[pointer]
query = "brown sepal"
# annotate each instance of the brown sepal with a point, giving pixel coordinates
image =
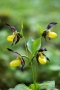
(12, 27)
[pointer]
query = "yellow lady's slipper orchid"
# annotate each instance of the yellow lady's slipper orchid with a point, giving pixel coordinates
(15, 63)
(10, 38)
(42, 59)
(51, 34)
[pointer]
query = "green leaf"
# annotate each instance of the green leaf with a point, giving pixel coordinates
(30, 44)
(20, 87)
(36, 45)
(34, 86)
(49, 85)
(22, 24)
(40, 29)
(21, 32)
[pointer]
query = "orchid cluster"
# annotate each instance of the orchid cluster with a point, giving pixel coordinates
(32, 45)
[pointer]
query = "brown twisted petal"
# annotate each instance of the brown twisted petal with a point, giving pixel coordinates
(18, 38)
(12, 27)
(22, 63)
(13, 51)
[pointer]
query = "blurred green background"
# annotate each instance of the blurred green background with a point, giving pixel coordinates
(33, 13)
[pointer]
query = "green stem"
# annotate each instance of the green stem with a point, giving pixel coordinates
(33, 76)
(32, 73)
(22, 33)
(25, 56)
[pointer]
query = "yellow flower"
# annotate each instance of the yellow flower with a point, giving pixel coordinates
(42, 59)
(10, 38)
(51, 34)
(15, 63)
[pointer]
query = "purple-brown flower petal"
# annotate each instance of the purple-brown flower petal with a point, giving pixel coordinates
(12, 27)
(51, 24)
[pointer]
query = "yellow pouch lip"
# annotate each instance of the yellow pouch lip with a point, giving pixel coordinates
(10, 38)
(51, 34)
(15, 63)
(42, 60)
